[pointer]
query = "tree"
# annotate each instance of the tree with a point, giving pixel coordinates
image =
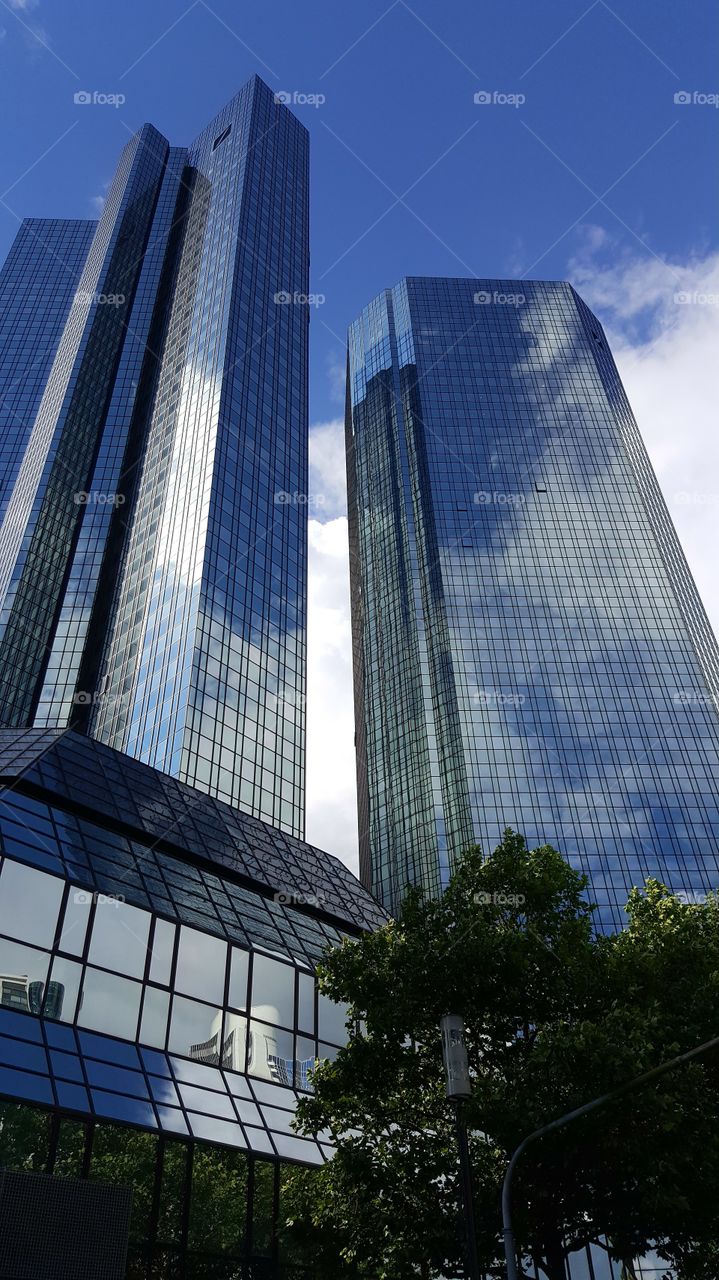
(554, 1016)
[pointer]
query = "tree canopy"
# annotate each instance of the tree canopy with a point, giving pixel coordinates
(555, 1014)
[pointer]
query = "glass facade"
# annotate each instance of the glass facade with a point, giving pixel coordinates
(152, 578)
(530, 648)
(37, 284)
(157, 971)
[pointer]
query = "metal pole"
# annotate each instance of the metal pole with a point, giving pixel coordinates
(465, 1170)
(510, 1251)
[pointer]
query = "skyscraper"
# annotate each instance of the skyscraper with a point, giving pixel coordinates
(152, 586)
(529, 646)
(37, 284)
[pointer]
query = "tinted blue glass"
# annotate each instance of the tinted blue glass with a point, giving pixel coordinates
(530, 648)
(20, 1084)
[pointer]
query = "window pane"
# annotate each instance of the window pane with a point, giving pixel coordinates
(23, 974)
(110, 1004)
(332, 1018)
(263, 1207)
(235, 1040)
(70, 1149)
(24, 1137)
(270, 1053)
(29, 903)
(306, 1012)
(195, 1030)
(76, 920)
(174, 1175)
(273, 990)
(201, 961)
(218, 1206)
(239, 969)
(155, 1008)
(162, 944)
(119, 936)
(127, 1155)
(63, 989)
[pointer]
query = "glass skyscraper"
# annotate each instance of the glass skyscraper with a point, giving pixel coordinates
(152, 585)
(37, 284)
(529, 646)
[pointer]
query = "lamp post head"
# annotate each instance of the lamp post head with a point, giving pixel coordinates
(454, 1053)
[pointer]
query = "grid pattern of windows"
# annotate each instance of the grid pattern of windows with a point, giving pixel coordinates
(152, 571)
(37, 284)
(45, 510)
(205, 662)
(197, 1211)
(70, 680)
(522, 603)
(307, 892)
(146, 985)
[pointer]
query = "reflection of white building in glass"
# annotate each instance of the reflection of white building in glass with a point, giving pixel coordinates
(18, 991)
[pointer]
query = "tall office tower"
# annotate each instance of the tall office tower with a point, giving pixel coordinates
(37, 284)
(152, 579)
(530, 649)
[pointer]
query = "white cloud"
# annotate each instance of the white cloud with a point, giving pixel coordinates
(666, 352)
(331, 791)
(24, 5)
(328, 484)
(667, 356)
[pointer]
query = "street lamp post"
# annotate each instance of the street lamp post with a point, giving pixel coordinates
(510, 1250)
(459, 1088)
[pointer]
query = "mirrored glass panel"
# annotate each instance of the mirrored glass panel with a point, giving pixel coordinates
(305, 1062)
(196, 1030)
(234, 1042)
(239, 969)
(201, 961)
(270, 1053)
(306, 1006)
(119, 936)
(110, 1004)
(23, 974)
(29, 903)
(155, 1008)
(63, 989)
(273, 990)
(75, 920)
(163, 941)
(332, 1019)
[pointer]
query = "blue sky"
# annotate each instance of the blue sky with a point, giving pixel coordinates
(598, 176)
(490, 188)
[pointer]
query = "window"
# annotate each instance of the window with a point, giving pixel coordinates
(221, 137)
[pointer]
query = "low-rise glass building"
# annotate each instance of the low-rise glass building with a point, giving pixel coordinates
(158, 1008)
